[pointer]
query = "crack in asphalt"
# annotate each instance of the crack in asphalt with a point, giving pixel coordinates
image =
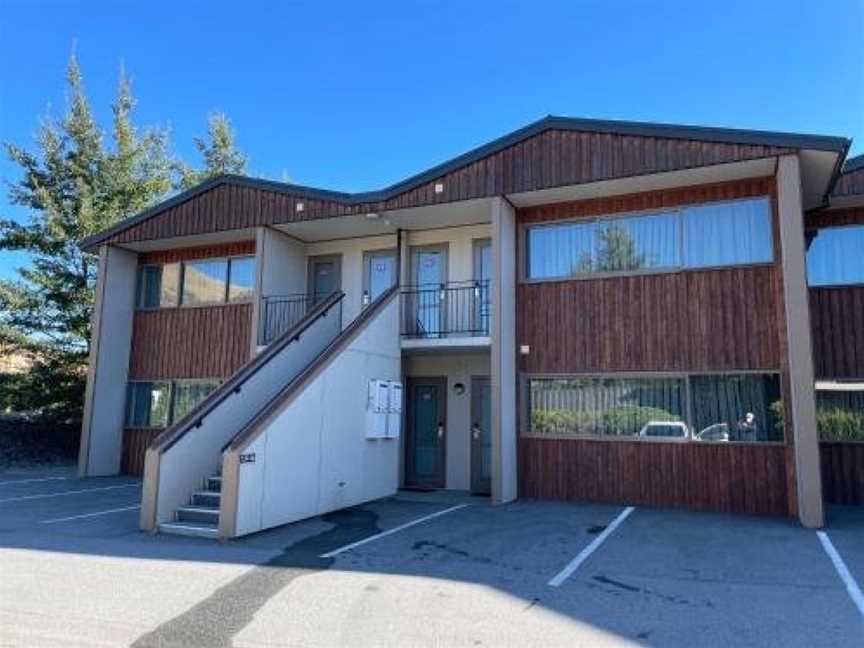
(218, 618)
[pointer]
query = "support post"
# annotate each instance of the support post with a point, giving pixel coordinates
(503, 350)
(799, 347)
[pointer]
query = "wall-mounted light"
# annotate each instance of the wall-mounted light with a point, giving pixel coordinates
(524, 349)
(439, 187)
(299, 207)
(459, 389)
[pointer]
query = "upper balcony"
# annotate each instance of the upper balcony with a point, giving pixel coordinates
(456, 314)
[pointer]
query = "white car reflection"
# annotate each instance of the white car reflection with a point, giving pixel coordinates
(680, 431)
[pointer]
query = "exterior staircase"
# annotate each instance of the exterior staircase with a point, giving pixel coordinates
(200, 518)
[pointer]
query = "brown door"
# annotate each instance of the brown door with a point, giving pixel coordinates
(427, 426)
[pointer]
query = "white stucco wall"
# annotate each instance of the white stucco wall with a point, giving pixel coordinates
(282, 262)
(457, 369)
(314, 457)
(105, 396)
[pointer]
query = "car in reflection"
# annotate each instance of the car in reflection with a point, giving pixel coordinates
(679, 430)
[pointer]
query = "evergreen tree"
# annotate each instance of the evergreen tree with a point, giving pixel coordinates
(73, 186)
(616, 250)
(219, 153)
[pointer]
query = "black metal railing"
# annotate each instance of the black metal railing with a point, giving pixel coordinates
(455, 309)
(280, 312)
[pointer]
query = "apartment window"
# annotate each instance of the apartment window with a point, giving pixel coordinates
(158, 285)
(148, 404)
(157, 404)
(711, 407)
(698, 236)
(840, 411)
(834, 257)
(204, 281)
(241, 278)
(606, 406)
(187, 395)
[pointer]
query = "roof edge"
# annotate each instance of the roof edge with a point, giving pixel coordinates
(550, 122)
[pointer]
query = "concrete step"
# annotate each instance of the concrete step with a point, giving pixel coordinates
(192, 529)
(205, 514)
(210, 499)
(213, 483)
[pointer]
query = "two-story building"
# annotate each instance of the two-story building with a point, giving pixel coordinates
(581, 309)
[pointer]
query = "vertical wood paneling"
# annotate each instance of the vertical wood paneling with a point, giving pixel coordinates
(842, 472)
(204, 342)
(731, 478)
(837, 320)
(135, 444)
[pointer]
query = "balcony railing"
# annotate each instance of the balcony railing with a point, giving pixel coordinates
(456, 309)
(281, 312)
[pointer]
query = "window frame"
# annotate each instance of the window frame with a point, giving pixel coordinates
(807, 251)
(172, 392)
(524, 257)
(181, 293)
(524, 418)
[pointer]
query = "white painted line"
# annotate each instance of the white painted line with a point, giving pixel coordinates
(842, 571)
(574, 564)
(72, 492)
(89, 515)
(30, 481)
(388, 532)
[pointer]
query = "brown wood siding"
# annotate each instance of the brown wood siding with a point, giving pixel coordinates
(837, 321)
(850, 184)
(550, 159)
(706, 320)
(836, 218)
(135, 444)
(200, 342)
(842, 472)
(733, 478)
(235, 248)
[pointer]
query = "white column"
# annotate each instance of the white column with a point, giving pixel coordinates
(108, 370)
(503, 350)
(808, 476)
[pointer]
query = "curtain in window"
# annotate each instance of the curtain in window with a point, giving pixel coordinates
(560, 250)
(835, 258)
(636, 243)
(722, 401)
(732, 233)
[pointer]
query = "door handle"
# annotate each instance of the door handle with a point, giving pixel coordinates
(475, 431)
(440, 430)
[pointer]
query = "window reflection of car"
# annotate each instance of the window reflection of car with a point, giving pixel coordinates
(716, 432)
(665, 429)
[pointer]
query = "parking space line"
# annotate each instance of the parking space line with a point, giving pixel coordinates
(388, 532)
(30, 481)
(90, 515)
(583, 555)
(72, 492)
(843, 571)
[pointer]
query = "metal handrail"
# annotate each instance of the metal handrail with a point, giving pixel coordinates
(456, 308)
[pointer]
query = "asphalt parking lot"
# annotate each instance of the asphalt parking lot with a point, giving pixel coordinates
(420, 570)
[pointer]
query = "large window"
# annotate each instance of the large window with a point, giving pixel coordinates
(156, 404)
(192, 283)
(834, 257)
(148, 404)
(840, 411)
(721, 407)
(698, 236)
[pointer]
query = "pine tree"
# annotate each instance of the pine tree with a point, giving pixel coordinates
(73, 186)
(219, 152)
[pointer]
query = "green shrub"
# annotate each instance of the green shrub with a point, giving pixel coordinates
(619, 421)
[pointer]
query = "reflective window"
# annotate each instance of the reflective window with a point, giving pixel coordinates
(187, 395)
(204, 281)
(840, 412)
(606, 406)
(158, 285)
(732, 233)
(744, 407)
(698, 236)
(147, 404)
(835, 258)
(740, 407)
(241, 278)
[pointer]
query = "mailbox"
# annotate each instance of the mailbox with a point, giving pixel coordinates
(384, 409)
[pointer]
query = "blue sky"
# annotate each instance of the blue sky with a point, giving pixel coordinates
(355, 96)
